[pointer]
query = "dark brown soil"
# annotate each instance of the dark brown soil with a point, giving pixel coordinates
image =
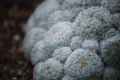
(13, 17)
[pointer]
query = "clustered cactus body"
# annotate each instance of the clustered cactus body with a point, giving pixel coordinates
(74, 40)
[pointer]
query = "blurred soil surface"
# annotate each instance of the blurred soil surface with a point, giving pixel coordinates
(13, 17)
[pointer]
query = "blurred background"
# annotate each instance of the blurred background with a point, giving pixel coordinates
(13, 17)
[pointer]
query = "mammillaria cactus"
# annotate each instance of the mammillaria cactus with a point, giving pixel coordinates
(93, 22)
(74, 40)
(91, 45)
(83, 64)
(61, 54)
(50, 70)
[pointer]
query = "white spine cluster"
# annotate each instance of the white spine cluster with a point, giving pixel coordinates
(74, 40)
